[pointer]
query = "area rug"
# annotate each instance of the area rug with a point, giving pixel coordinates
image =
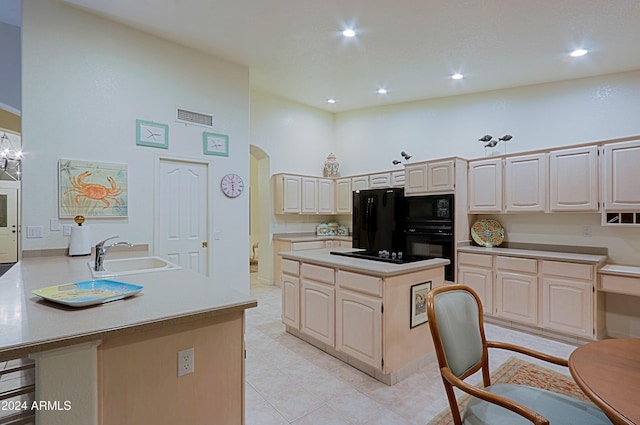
(516, 371)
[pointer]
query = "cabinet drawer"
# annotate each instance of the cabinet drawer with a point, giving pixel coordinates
(526, 265)
(620, 284)
(290, 267)
(358, 282)
(318, 273)
(570, 270)
(478, 260)
(298, 246)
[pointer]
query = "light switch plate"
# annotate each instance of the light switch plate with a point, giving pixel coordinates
(54, 225)
(66, 230)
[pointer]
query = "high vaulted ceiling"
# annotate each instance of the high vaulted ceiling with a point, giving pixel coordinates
(294, 48)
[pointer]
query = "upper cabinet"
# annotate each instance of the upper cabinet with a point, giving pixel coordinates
(430, 177)
(344, 196)
(485, 186)
(302, 195)
(573, 179)
(359, 183)
(525, 183)
(287, 192)
(621, 186)
(379, 180)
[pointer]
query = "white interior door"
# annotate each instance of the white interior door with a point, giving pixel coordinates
(182, 224)
(8, 225)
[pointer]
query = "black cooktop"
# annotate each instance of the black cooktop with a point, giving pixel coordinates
(385, 257)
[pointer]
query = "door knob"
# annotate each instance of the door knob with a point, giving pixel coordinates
(205, 244)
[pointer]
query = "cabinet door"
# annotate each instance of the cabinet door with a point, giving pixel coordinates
(309, 195)
(573, 179)
(359, 183)
(291, 192)
(291, 301)
(415, 179)
(621, 188)
(379, 180)
(397, 178)
(525, 182)
(485, 186)
(481, 281)
(516, 297)
(317, 311)
(359, 326)
(346, 244)
(325, 196)
(440, 176)
(567, 306)
(344, 196)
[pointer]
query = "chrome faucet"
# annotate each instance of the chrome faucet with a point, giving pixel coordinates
(101, 251)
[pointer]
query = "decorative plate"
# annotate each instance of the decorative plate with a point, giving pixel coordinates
(487, 233)
(90, 292)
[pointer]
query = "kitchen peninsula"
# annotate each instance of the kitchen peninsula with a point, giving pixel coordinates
(117, 362)
(360, 311)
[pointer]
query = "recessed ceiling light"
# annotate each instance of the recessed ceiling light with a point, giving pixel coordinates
(382, 91)
(331, 101)
(578, 52)
(349, 32)
(457, 76)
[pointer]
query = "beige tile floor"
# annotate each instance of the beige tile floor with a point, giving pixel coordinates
(292, 382)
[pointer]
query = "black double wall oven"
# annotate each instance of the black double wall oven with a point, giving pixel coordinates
(429, 229)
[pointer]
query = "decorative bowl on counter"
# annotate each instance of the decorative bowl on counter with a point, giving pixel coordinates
(343, 231)
(333, 228)
(487, 233)
(322, 229)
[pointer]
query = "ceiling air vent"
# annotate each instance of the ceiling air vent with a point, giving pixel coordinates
(190, 117)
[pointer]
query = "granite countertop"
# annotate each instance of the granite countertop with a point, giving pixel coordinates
(542, 254)
(30, 324)
(298, 237)
(371, 267)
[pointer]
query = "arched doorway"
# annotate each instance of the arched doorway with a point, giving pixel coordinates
(260, 250)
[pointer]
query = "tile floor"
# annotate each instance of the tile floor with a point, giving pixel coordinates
(292, 382)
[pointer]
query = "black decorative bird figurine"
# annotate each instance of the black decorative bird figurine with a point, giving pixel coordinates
(491, 144)
(485, 138)
(396, 162)
(506, 138)
(405, 155)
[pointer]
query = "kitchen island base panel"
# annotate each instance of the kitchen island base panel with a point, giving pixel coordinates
(391, 378)
(140, 384)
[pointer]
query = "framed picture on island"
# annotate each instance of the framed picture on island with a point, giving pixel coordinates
(419, 303)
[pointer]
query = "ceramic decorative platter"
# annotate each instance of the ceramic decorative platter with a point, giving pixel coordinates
(487, 233)
(89, 292)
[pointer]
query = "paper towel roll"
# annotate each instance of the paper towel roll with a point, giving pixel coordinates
(80, 241)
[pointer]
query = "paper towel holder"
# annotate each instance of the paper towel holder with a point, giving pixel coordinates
(80, 243)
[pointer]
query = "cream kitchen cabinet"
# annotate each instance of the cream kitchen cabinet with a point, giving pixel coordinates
(567, 297)
(525, 183)
(287, 192)
(476, 271)
(317, 303)
(290, 293)
(379, 180)
(344, 196)
(573, 180)
(516, 289)
(620, 183)
(317, 196)
(280, 245)
(397, 178)
(325, 196)
(359, 183)
(430, 177)
(485, 186)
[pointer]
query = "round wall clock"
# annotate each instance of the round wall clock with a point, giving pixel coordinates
(232, 185)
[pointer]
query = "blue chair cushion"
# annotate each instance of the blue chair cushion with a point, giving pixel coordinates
(558, 408)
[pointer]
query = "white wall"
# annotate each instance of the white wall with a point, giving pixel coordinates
(85, 82)
(538, 116)
(10, 66)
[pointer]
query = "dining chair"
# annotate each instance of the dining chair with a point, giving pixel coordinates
(457, 327)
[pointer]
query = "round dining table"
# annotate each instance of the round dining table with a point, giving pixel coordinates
(608, 371)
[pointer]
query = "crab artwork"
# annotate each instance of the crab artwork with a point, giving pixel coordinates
(94, 191)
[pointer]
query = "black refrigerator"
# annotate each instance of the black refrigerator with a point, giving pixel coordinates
(378, 219)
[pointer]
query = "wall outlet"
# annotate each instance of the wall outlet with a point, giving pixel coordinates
(185, 362)
(66, 230)
(586, 231)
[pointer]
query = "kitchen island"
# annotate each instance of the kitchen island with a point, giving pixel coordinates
(367, 313)
(117, 362)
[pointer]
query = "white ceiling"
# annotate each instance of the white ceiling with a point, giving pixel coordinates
(294, 48)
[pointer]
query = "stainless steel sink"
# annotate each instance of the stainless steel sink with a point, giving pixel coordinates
(134, 265)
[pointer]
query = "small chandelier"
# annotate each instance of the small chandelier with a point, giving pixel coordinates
(10, 158)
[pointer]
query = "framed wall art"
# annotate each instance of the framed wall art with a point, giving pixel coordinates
(215, 144)
(419, 303)
(92, 189)
(154, 134)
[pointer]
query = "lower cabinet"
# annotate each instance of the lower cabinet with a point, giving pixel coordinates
(476, 271)
(517, 289)
(359, 326)
(290, 295)
(317, 303)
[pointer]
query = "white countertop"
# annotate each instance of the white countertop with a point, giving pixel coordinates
(311, 237)
(29, 324)
(532, 253)
(370, 267)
